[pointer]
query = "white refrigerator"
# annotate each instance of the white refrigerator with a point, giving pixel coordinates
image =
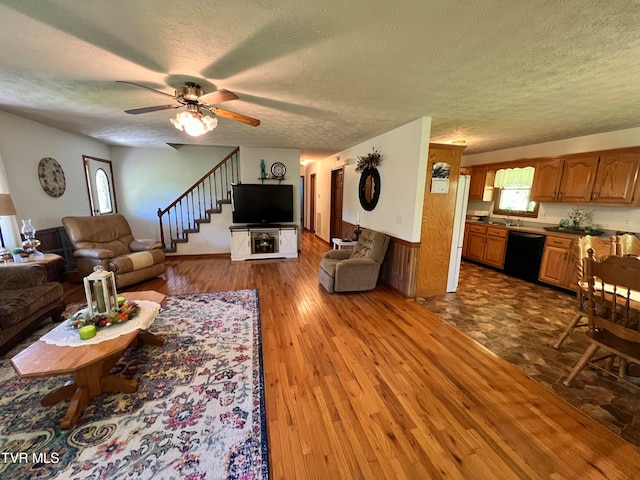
(462, 199)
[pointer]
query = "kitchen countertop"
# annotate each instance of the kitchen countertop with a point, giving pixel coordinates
(535, 229)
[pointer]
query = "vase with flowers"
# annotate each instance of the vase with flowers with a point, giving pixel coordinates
(579, 216)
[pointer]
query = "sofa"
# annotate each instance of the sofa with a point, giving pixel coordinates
(107, 240)
(354, 270)
(26, 298)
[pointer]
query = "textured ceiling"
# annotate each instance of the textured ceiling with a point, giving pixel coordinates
(325, 75)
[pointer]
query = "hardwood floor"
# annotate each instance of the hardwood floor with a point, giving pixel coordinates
(371, 385)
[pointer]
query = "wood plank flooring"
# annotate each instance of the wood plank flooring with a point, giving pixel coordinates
(371, 386)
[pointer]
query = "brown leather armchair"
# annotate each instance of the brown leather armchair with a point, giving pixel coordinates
(107, 240)
(357, 270)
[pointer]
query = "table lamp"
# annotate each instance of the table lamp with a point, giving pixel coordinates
(6, 208)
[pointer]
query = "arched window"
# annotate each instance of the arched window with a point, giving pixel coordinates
(104, 193)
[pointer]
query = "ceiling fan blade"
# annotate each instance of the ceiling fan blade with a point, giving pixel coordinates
(136, 111)
(148, 88)
(218, 96)
(238, 117)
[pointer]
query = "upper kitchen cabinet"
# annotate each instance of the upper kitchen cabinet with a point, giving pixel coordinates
(568, 180)
(578, 175)
(481, 184)
(605, 177)
(546, 180)
(616, 179)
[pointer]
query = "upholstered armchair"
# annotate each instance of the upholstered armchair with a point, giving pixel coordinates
(107, 240)
(354, 270)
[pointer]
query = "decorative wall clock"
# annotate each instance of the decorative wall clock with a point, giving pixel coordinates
(51, 177)
(278, 170)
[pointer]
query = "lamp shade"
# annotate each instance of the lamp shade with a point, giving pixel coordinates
(6, 205)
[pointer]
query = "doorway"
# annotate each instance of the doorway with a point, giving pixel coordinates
(312, 202)
(337, 189)
(301, 202)
(99, 177)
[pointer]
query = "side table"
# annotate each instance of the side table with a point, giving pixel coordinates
(339, 244)
(52, 263)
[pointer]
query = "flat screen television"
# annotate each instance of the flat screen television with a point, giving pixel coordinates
(262, 204)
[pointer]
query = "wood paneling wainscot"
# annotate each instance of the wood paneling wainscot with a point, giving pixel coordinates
(400, 266)
(400, 263)
(438, 212)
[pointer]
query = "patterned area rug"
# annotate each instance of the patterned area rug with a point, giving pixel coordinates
(198, 412)
(520, 321)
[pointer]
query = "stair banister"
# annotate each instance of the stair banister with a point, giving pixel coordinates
(195, 206)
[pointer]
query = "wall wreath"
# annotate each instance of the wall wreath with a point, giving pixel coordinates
(369, 186)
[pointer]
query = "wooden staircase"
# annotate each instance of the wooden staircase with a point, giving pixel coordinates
(196, 205)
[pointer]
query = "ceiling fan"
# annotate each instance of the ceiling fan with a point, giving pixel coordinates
(193, 97)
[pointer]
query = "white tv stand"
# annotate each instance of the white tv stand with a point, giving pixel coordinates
(255, 242)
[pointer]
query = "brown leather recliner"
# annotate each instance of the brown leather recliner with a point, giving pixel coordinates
(107, 240)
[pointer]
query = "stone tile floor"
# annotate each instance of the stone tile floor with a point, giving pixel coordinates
(520, 321)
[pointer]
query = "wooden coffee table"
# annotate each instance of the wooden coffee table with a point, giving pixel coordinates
(90, 365)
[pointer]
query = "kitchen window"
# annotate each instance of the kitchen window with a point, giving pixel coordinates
(512, 192)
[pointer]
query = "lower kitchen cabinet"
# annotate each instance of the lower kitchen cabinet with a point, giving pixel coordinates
(486, 245)
(495, 247)
(557, 267)
(476, 236)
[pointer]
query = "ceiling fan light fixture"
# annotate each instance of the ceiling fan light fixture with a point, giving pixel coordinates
(194, 123)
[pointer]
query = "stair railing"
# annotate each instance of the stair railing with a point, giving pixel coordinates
(195, 205)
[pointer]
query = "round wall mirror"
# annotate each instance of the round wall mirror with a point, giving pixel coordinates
(369, 189)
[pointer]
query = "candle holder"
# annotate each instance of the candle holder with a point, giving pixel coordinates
(357, 232)
(100, 289)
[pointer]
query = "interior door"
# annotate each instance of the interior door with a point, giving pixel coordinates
(312, 202)
(99, 177)
(301, 202)
(337, 188)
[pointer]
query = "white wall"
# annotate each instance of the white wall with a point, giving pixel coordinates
(23, 144)
(148, 178)
(213, 237)
(402, 170)
(250, 168)
(608, 218)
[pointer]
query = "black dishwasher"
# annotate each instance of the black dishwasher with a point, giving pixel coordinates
(524, 254)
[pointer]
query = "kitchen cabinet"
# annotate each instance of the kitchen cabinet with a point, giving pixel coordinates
(485, 244)
(578, 175)
(557, 266)
(604, 178)
(495, 246)
(546, 180)
(481, 184)
(616, 179)
(476, 236)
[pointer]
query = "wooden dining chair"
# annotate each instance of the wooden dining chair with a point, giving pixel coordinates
(627, 244)
(602, 249)
(613, 290)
